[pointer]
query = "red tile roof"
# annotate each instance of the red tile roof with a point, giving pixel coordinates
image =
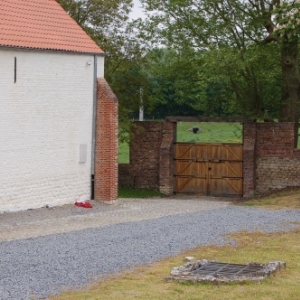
(42, 24)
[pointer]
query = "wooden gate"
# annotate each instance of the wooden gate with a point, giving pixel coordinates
(209, 169)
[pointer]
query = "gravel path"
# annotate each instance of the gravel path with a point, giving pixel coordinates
(46, 221)
(35, 267)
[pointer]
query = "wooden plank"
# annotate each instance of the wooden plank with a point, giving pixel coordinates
(235, 184)
(190, 168)
(226, 152)
(182, 183)
(182, 150)
(190, 151)
(236, 151)
(226, 169)
(210, 169)
(226, 187)
(191, 185)
(234, 169)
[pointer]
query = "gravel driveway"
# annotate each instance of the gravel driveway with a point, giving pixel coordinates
(48, 250)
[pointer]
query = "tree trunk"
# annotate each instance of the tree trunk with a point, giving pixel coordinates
(289, 111)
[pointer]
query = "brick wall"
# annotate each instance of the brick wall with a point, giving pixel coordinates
(277, 173)
(151, 159)
(166, 162)
(249, 142)
(270, 160)
(125, 178)
(106, 147)
(275, 140)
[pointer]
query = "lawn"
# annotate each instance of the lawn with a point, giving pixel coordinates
(123, 155)
(124, 192)
(147, 282)
(283, 199)
(210, 132)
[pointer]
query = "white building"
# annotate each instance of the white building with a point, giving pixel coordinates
(48, 71)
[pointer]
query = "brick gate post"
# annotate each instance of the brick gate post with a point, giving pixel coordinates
(166, 158)
(106, 144)
(249, 141)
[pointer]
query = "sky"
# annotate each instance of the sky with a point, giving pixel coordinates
(137, 11)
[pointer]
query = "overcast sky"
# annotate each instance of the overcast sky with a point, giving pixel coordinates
(137, 11)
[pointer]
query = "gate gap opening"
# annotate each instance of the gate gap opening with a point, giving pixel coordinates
(209, 132)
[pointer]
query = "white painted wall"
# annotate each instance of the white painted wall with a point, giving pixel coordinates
(100, 67)
(45, 117)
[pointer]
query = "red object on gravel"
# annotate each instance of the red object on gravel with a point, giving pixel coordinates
(84, 204)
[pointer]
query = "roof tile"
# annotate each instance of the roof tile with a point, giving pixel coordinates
(41, 24)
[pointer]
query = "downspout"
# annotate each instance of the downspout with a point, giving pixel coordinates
(94, 128)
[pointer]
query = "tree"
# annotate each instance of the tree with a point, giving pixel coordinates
(99, 17)
(175, 84)
(180, 85)
(237, 26)
(254, 76)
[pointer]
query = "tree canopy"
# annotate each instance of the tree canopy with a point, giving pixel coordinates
(254, 43)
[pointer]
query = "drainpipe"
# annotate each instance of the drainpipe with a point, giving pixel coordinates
(94, 127)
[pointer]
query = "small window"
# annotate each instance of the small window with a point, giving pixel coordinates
(15, 70)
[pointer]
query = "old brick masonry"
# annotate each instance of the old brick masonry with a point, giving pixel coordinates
(106, 144)
(270, 159)
(151, 157)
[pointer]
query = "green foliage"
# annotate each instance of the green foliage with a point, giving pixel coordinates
(219, 82)
(175, 82)
(182, 84)
(123, 155)
(287, 19)
(237, 37)
(253, 75)
(105, 21)
(132, 84)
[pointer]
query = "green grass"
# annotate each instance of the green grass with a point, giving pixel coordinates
(210, 132)
(289, 199)
(123, 155)
(137, 193)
